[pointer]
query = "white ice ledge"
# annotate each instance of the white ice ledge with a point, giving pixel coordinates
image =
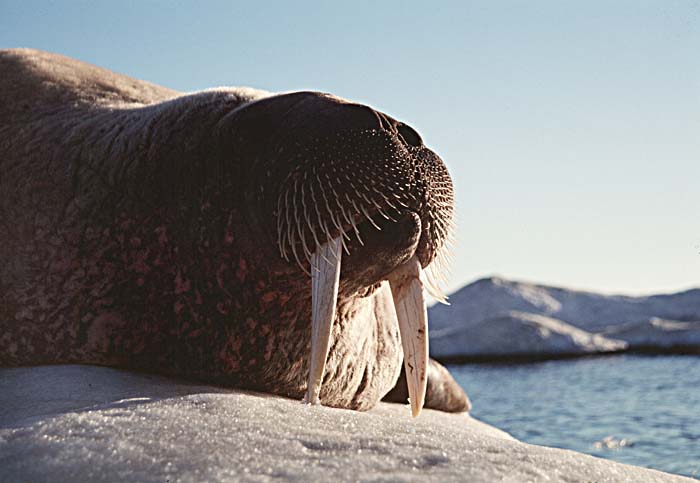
(83, 423)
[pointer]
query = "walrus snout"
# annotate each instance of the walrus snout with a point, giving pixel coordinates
(388, 248)
(346, 165)
(343, 166)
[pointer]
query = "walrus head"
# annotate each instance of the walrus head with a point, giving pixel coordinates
(197, 235)
(362, 200)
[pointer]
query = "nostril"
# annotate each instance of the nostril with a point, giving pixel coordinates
(409, 136)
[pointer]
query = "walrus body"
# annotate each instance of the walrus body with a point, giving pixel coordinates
(141, 228)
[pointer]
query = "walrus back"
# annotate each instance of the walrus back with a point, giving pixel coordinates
(76, 143)
(33, 82)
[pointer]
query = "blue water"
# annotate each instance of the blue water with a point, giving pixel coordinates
(653, 403)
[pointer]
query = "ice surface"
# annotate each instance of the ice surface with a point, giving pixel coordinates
(83, 423)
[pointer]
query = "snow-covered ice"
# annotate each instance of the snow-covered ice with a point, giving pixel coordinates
(576, 322)
(519, 333)
(85, 423)
(659, 333)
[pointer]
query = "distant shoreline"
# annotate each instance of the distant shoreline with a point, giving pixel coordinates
(680, 350)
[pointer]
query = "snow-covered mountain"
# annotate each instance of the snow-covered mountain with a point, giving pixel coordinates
(495, 317)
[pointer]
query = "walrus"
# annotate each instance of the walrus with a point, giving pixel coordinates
(275, 242)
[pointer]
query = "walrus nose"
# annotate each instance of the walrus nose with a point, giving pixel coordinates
(344, 116)
(409, 135)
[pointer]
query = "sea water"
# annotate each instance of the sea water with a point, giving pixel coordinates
(641, 410)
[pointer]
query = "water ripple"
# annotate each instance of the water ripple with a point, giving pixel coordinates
(652, 404)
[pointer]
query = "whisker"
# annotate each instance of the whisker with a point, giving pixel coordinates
(364, 210)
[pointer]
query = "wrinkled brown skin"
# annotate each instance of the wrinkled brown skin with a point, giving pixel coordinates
(134, 233)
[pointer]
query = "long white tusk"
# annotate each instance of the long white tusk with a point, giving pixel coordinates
(407, 291)
(325, 276)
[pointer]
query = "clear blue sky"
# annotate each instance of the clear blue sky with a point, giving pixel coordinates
(572, 129)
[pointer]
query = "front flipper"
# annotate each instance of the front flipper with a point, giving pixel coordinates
(443, 393)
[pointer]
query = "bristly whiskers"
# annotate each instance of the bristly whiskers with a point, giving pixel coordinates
(323, 198)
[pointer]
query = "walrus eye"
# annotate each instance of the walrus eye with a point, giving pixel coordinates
(411, 312)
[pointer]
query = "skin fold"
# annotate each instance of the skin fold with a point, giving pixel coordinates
(146, 229)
